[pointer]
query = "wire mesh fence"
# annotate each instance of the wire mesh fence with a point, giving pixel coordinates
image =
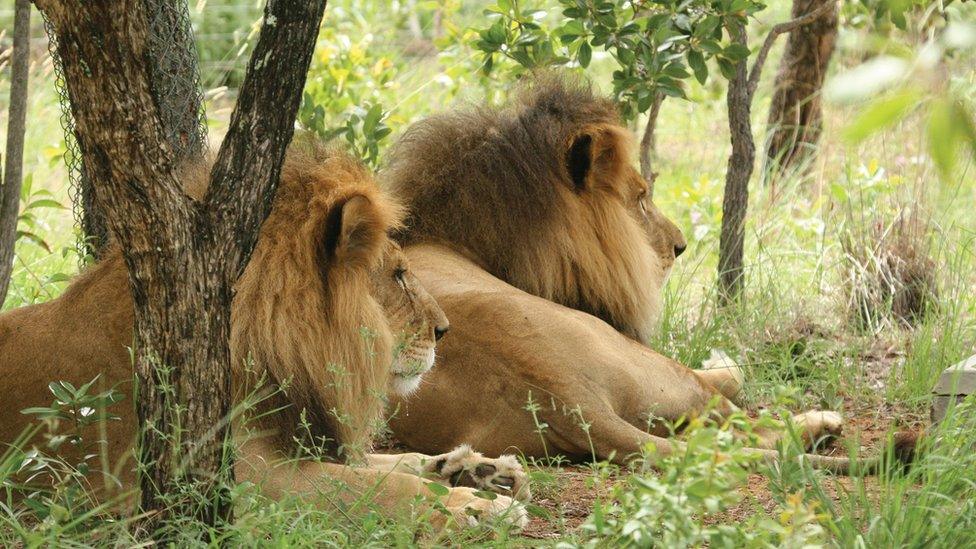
(175, 83)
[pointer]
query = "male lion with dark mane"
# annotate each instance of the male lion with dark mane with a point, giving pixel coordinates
(323, 274)
(537, 236)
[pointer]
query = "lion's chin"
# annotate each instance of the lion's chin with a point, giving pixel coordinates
(409, 371)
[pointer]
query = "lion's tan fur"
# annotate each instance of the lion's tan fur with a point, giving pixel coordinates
(533, 230)
(306, 313)
(322, 303)
(494, 183)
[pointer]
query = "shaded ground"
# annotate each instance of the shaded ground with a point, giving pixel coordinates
(570, 496)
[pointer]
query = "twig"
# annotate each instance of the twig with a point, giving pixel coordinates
(648, 140)
(781, 28)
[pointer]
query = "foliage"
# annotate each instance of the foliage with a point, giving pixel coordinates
(893, 88)
(656, 45)
(698, 482)
(342, 99)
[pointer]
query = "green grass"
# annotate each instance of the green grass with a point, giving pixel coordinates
(794, 332)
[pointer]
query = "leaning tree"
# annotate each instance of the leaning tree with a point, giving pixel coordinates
(183, 255)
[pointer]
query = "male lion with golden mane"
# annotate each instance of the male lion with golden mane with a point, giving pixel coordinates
(318, 313)
(537, 236)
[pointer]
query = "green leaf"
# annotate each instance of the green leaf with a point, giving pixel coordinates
(585, 54)
(941, 132)
(881, 114)
(438, 489)
(34, 238)
(59, 391)
(736, 52)
(727, 67)
(676, 70)
(711, 47)
(45, 203)
(697, 63)
(372, 118)
(537, 511)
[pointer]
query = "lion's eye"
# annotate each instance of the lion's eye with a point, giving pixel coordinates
(399, 275)
(640, 202)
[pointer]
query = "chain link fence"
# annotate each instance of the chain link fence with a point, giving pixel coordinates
(175, 82)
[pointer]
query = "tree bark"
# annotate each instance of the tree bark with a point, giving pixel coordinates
(183, 256)
(175, 85)
(175, 75)
(795, 117)
(648, 144)
(16, 125)
(742, 89)
(740, 166)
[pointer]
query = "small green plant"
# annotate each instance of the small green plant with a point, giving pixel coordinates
(682, 506)
(32, 200)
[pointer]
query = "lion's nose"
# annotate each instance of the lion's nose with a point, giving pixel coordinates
(439, 332)
(679, 249)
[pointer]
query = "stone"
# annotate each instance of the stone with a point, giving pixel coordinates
(955, 383)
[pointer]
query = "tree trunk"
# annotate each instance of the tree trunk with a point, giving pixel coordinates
(16, 124)
(175, 76)
(736, 200)
(648, 144)
(183, 256)
(795, 118)
(175, 85)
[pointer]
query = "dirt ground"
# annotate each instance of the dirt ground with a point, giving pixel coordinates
(572, 501)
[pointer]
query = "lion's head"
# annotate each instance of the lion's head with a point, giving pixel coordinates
(544, 195)
(327, 308)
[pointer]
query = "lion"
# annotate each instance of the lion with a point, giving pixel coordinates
(534, 232)
(327, 312)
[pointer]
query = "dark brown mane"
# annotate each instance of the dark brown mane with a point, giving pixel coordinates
(498, 161)
(537, 192)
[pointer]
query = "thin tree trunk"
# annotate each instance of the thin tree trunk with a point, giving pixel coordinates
(742, 89)
(648, 144)
(16, 124)
(740, 166)
(795, 117)
(183, 256)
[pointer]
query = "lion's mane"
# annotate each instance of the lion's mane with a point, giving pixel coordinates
(325, 339)
(532, 191)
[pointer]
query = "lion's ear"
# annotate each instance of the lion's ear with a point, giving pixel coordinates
(579, 160)
(354, 233)
(595, 155)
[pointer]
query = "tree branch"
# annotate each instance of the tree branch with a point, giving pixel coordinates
(774, 33)
(16, 123)
(117, 123)
(647, 143)
(245, 175)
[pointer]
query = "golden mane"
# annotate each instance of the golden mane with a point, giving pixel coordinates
(539, 194)
(325, 339)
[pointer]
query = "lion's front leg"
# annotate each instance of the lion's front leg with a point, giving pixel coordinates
(395, 491)
(461, 467)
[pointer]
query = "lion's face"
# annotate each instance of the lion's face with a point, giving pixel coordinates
(415, 318)
(635, 243)
(664, 237)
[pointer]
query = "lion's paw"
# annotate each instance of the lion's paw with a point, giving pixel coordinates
(469, 509)
(465, 467)
(723, 374)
